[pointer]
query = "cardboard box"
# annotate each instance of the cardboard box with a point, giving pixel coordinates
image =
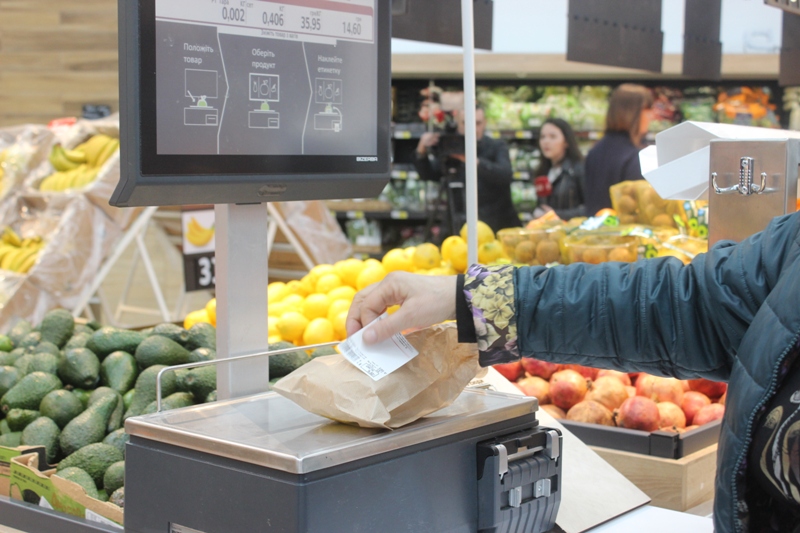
(31, 485)
(6, 454)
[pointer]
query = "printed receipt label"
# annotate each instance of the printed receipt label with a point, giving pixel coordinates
(378, 360)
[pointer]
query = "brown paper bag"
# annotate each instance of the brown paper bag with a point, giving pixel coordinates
(332, 387)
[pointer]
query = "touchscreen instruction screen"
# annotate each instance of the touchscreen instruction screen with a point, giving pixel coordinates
(249, 77)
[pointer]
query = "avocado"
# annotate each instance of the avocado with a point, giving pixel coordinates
(114, 477)
(212, 397)
(117, 439)
(23, 364)
(201, 382)
(88, 427)
(19, 418)
(8, 358)
(118, 497)
(47, 347)
(78, 340)
(102, 495)
(61, 406)
(83, 396)
(322, 352)
(94, 459)
(202, 354)
(9, 376)
(4, 427)
(94, 325)
(18, 332)
(108, 340)
(57, 326)
(158, 350)
(173, 401)
(42, 432)
(29, 391)
(11, 440)
(285, 364)
(18, 352)
(202, 335)
(43, 362)
(82, 328)
(79, 367)
(5, 344)
(172, 332)
(119, 371)
(127, 398)
(79, 476)
(146, 389)
(115, 420)
(30, 340)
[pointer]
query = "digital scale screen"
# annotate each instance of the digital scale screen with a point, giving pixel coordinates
(242, 101)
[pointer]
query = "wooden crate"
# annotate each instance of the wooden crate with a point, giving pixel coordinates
(677, 484)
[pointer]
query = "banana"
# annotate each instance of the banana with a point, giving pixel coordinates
(93, 147)
(21, 257)
(5, 264)
(28, 263)
(108, 150)
(5, 249)
(75, 156)
(85, 178)
(59, 160)
(197, 234)
(10, 236)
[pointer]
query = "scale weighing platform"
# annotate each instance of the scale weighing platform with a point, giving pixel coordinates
(262, 463)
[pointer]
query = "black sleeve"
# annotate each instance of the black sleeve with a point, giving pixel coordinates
(496, 169)
(466, 327)
(427, 170)
(631, 169)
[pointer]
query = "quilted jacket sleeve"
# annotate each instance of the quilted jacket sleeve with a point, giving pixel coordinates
(657, 315)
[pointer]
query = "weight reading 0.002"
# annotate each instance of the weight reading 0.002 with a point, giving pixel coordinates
(233, 14)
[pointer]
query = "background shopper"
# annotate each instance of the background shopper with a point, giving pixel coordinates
(562, 165)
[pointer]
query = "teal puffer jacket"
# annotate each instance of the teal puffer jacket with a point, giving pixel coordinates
(732, 315)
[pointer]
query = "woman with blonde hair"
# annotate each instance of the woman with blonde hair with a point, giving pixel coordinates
(616, 157)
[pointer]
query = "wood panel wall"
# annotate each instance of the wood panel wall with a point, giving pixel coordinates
(56, 56)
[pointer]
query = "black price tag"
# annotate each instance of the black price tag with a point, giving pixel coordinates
(199, 271)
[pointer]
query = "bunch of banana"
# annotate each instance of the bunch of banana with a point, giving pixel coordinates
(79, 167)
(198, 234)
(16, 254)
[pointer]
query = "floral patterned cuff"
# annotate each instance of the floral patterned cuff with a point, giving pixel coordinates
(489, 291)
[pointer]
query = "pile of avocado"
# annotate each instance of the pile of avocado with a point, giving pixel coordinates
(69, 387)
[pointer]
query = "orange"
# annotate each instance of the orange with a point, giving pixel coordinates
(485, 233)
(606, 211)
(211, 310)
(489, 252)
(371, 274)
(318, 331)
(448, 244)
(316, 306)
(397, 260)
(427, 256)
(291, 326)
(345, 292)
(340, 325)
(350, 270)
(337, 306)
(328, 282)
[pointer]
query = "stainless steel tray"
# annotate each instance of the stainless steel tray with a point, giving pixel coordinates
(272, 431)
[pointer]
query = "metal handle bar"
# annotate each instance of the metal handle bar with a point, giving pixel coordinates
(215, 362)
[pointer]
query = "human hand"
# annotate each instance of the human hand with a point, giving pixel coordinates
(427, 140)
(423, 301)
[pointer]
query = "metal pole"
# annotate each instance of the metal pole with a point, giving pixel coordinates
(470, 133)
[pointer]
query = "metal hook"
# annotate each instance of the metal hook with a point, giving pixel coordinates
(726, 190)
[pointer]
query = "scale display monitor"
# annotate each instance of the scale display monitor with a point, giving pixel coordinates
(248, 101)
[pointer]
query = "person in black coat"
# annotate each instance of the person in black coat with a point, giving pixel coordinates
(616, 157)
(495, 175)
(562, 166)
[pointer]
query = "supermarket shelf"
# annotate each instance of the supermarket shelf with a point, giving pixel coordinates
(556, 66)
(394, 214)
(32, 518)
(414, 131)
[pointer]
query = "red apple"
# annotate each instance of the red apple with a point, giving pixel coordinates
(671, 415)
(536, 387)
(607, 391)
(567, 387)
(712, 389)
(591, 413)
(536, 367)
(622, 376)
(585, 371)
(555, 412)
(639, 413)
(709, 413)
(693, 401)
(510, 371)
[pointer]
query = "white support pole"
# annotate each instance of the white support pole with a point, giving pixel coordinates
(471, 143)
(151, 275)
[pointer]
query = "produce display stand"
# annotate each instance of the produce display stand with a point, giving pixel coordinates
(33, 518)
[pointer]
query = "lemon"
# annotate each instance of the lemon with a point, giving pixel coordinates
(338, 268)
(276, 291)
(316, 306)
(274, 339)
(350, 271)
(318, 331)
(372, 262)
(211, 311)
(293, 302)
(297, 287)
(292, 325)
(448, 245)
(485, 233)
(277, 309)
(397, 259)
(345, 292)
(489, 252)
(308, 284)
(272, 326)
(201, 315)
(371, 274)
(426, 256)
(319, 271)
(327, 283)
(458, 255)
(393, 309)
(340, 325)
(337, 306)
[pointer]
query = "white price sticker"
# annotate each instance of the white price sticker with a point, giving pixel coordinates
(378, 360)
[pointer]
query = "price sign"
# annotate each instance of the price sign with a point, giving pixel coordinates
(199, 260)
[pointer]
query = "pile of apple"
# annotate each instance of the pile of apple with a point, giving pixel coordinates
(611, 398)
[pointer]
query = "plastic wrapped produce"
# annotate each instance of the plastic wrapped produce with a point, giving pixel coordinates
(22, 148)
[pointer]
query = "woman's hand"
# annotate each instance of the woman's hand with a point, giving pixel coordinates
(423, 301)
(427, 140)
